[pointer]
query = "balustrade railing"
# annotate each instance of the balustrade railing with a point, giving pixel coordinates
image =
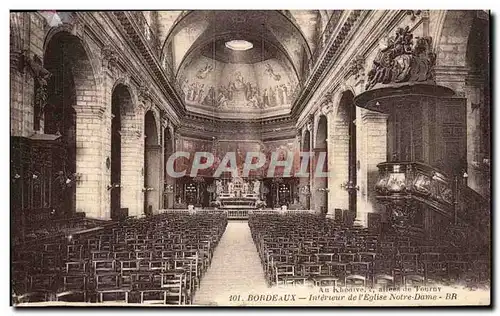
(397, 180)
(404, 181)
(238, 214)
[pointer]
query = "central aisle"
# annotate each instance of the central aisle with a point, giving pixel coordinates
(235, 268)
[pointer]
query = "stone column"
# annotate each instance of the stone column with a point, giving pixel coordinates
(91, 162)
(338, 159)
(312, 136)
(163, 177)
(16, 73)
(132, 162)
(373, 151)
(470, 86)
(17, 93)
(477, 120)
(105, 89)
(153, 153)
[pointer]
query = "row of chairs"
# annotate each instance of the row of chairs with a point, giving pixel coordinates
(307, 248)
(158, 259)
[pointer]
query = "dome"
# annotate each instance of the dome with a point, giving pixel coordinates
(228, 82)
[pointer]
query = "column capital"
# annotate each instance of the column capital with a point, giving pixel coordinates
(109, 57)
(140, 107)
(310, 123)
(451, 73)
(89, 110)
(368, 115)
(144, 94)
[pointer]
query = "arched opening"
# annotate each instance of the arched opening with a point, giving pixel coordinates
(305, 182)
(347, 111)
(121, 107)
(169, 182)
(152, 151)
(66, 60)
(478, 106)
(344, 164)
(321, 158)
(116, 160)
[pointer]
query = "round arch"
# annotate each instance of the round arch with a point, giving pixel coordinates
(452, 36)
(345, 152)
(68, 30)
(71, 83)
(321, 164)
(168, 181)
(152, 166)
(122, 111)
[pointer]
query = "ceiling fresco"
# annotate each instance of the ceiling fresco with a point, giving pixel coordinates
(259, 82)
(263, 88)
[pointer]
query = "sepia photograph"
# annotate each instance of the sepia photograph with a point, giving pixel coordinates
(182, 158)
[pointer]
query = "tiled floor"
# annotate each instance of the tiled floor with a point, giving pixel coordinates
(235, 268)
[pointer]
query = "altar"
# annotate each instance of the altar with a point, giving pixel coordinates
(238, 194)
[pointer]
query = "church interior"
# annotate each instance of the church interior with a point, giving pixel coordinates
(393, 106)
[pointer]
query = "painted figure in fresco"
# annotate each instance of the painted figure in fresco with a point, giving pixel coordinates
(265, 98)
(192, 91)
(239, 82)
(203, 72)
(284, 89)
(272, 96)
(253, 102)
(248, 91)
(221, 99)
(210, 97)
(200, 94)
(195, 91)
(229, 91)
(270, 72)
(280, 94)
(289, 93)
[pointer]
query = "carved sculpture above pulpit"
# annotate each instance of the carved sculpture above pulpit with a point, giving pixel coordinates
(404, 59)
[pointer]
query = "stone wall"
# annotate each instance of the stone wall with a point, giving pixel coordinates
(100, 59)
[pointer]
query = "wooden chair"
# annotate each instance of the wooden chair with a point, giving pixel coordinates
(281, 271)
(355, 280)
(325, 281)
(74, 288)
(172, 283)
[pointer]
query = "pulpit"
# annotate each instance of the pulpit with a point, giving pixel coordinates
(426, 136)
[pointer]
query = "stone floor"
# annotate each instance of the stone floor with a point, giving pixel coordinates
(235, 269)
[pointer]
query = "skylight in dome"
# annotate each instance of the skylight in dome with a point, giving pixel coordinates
(240, 45)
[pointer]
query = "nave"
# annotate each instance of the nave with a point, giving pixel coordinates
(235, 268)
(198, 258)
